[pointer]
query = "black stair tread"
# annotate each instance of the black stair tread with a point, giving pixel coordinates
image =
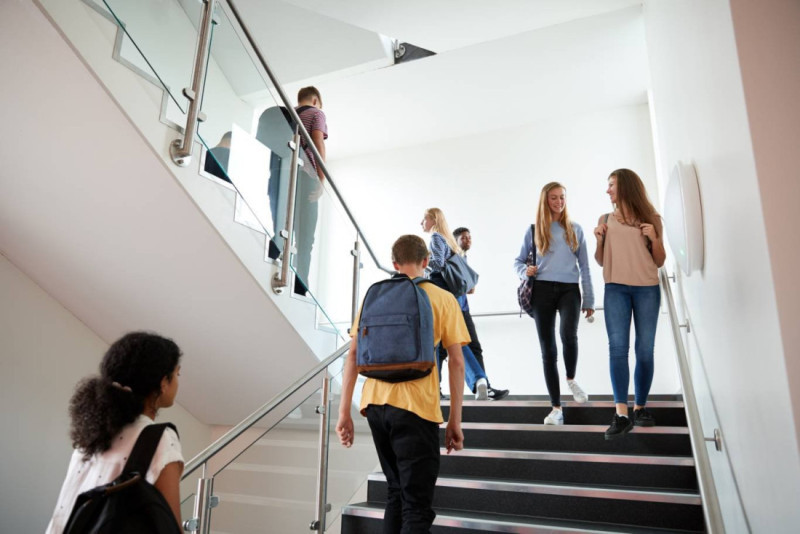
(568, 398)
(682, 496)
(569, 456)
(484, 522)
(515, 427)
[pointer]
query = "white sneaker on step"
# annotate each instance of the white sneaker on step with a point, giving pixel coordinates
(578, 394)
(555, 417)
(481, 390)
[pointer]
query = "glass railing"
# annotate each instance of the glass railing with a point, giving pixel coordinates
(265, 473)
(247, 133)
(270, 473)
(159, 41)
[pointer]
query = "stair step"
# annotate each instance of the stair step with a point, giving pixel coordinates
(366, 518)
(636, 507)
(662, 472)
(666, 413)
(657, 441)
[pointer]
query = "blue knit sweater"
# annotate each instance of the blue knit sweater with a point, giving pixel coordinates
(560, 264)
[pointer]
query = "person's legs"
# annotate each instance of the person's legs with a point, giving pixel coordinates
(618, 307)
(305, 227)
(381, 436)
(646, 303)
(474, 344)
(544, 314)
(569, 311)
(472, 369)
(273, 192)
(415, 443)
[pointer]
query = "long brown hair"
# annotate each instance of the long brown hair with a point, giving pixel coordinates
(544, 219)
(632, 199)
(440, 226)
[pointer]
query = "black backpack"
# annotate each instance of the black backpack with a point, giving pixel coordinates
(128, 504)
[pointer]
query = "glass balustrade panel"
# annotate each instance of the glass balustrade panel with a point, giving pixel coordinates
(240, 102)
(160, 37)
(271, 486)
(348, 467)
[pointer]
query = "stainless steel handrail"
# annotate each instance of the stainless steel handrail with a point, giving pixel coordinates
(209, 452)
(708, 493)
(310, 144)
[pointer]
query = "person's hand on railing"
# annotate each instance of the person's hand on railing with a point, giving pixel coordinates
(344, 428)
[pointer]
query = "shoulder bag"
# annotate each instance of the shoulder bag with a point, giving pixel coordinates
(525, 289)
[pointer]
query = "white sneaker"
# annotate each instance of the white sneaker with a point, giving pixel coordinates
(481, 389)
(578, 394)
(556, 417)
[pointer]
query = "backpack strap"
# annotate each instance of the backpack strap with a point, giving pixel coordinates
(145, 447)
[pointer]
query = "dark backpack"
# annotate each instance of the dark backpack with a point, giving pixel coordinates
(395, 331)
(128, 504)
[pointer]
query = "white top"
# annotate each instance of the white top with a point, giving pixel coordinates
(105, 467)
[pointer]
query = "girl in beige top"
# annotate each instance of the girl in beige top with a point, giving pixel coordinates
(630, 250)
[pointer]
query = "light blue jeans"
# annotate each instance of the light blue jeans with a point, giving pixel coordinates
(621, 303)
(472, 369)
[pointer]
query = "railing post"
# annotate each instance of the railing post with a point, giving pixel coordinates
(318, 524)
(356, 252)
(281, 279)
(200, 521)
(181, 149)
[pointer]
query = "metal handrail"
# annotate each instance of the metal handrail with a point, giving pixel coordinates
(296, 118)
(712, 513)
(209, 452)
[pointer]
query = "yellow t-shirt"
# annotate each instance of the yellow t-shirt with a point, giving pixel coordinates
(420, 396)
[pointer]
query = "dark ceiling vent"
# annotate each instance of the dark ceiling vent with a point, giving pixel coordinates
(405, 52)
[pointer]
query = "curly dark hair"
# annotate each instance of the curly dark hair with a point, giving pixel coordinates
(131, 371)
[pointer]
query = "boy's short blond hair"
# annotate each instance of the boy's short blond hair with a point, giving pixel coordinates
(409, 249)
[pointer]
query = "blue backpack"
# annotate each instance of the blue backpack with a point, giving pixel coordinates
(395, 332)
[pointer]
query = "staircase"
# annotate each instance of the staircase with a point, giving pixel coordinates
(518, 475)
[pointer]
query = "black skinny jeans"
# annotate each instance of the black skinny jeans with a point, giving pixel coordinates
(565, 299)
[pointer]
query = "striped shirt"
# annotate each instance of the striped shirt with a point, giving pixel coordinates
(313, 119)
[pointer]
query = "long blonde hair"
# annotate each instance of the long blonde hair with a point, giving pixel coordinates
(632, 199)
(544, 219)
(440, 226)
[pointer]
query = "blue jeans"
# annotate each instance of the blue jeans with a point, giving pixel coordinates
(642, 303)
(472, 369)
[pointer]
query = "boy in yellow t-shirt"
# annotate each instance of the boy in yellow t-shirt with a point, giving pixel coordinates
(404, 417)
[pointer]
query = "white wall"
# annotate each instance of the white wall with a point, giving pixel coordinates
(491, 183)
(773, 111)
(702, 118)
(44, 351)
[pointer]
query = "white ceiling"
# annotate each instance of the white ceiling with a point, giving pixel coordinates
(576, 67)
(445, 25)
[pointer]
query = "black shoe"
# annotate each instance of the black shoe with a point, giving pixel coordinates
(442, 396)
(642, 417)
(299, 288)
(619, 426)
(497, 394)
(274, 252)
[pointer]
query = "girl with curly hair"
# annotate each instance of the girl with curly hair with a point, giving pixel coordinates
(138, 376)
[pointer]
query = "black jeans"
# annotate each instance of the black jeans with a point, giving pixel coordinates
(408, 449)
(565, 299)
